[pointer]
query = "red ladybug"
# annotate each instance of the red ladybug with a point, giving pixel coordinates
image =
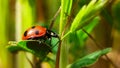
(38, 33)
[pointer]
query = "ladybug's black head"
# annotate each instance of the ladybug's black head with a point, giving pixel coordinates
(51, 34)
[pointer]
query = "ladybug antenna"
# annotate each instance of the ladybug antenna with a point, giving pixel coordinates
(54, 18)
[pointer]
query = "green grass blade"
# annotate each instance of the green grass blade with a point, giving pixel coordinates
(77, 19)
(66, 6)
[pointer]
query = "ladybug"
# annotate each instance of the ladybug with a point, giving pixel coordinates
(43, 37)
(38, 33)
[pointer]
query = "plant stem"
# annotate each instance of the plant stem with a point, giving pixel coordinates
(66, 6)
(54, 18)
(61, 17)
(58, 55)
(32, 65)
(66, 35)
(63, 54)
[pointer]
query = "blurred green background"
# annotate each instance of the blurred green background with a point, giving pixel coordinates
(18, 15)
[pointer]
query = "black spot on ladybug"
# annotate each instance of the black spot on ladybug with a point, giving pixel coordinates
(33, 27)
(25, 34)
(37, 32)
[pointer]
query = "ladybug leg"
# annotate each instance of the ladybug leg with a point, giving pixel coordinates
(50, 41)
(39, 41)
(55, 44)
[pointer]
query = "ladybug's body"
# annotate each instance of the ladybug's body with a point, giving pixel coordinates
(43, 36)
(38, 33)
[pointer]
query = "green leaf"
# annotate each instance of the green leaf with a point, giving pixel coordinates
(66, 6)
(14, 49)
(89, 59)
(82, 35)
(65, 11)
(77, 19)
(82, 12)
(85, 14)
(77, 39)
(37, 48)
(54, 43)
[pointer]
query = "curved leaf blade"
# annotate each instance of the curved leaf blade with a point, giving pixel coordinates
(39, 49)
(89, 59)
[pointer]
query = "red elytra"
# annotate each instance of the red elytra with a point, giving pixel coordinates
(33, 32)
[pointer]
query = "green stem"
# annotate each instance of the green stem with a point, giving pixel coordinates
(65, 35)
(63, 48)
(58, 56)
(62, 17)
(63, 54)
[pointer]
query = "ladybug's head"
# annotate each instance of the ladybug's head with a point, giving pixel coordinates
(50, 34)
(34, 32)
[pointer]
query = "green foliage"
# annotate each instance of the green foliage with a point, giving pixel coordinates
(89, 59)
(14, 49)
(85, 14)
(65, 11)
(37, 48)
(89, 27)
(78, 19)
(77, 39)
(86, 18)
(54, 45)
